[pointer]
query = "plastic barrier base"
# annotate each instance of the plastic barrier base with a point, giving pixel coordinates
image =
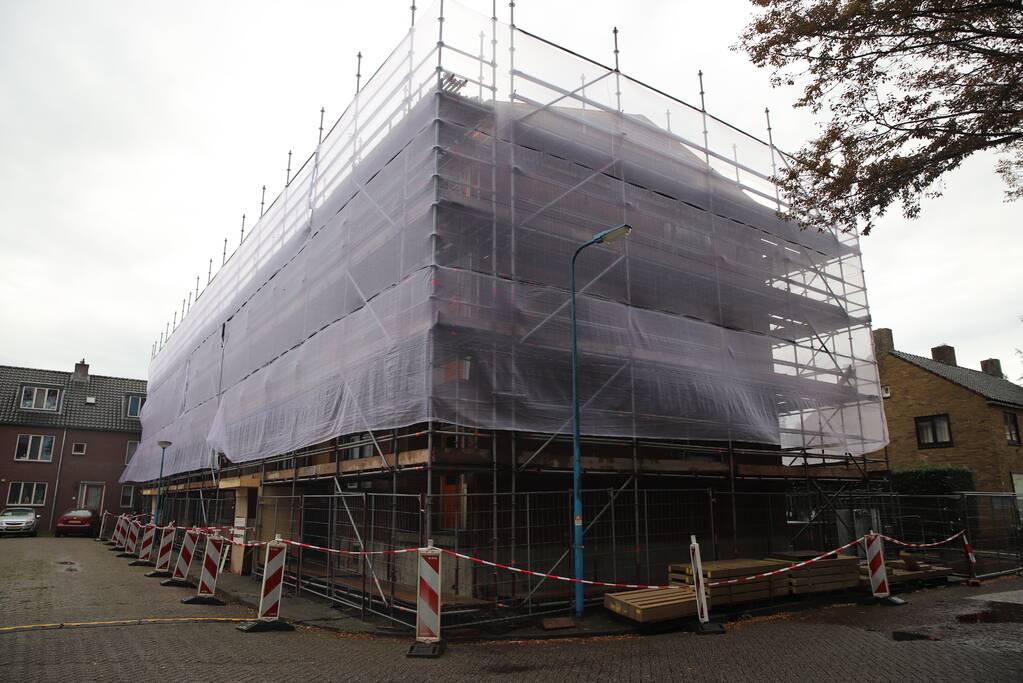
(125, 554)
(159, 575)
(202, 600)
(141, 563)
(179, 583)
(261, 625)
(710, 628)
(428, 650)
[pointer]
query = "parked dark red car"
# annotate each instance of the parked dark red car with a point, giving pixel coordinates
(78, 521)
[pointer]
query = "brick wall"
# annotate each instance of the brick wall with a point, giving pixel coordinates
(102, 463)
(978, 435)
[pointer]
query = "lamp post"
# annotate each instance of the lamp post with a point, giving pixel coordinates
(577, 500)
(164, 445)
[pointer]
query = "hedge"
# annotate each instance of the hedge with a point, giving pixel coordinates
(932, 480)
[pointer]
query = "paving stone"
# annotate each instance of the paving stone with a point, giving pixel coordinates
(844, 642)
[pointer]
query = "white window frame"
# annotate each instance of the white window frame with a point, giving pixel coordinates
(84, 446)
(82, 485)
(131, 495)
(35, 397)
(129, 453)
(21, 491)
(127, 405)
(37, 439)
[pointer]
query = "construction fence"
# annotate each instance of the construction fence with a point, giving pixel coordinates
(630, 537)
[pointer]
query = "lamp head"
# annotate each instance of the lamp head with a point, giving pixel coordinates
(163, 444)
(612, 234)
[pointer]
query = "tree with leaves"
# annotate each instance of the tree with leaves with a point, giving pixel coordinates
(907, 90)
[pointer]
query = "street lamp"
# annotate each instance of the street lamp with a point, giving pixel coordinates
(164, 445)
(603, 237)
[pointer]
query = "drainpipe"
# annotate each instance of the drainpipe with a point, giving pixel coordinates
(56, 481)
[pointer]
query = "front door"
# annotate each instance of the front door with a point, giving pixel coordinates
(90, 496)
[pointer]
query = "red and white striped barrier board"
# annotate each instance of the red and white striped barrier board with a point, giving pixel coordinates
(164, 552)
(428, 596)
(270, 593)
(210, 572)
(698, 584)
(971, 560)
(132, 539)
(120, 533)
(428, 642)
(103, 526)
(147, 549)
(273, 581)
(875, 565)
(184, 564)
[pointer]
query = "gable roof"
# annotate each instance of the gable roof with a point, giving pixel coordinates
(106, 414)
(994, 389)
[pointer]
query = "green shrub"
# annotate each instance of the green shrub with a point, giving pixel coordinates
(932, 480)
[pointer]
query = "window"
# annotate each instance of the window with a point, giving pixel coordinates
(130, 453)
(933, 431)
(1011, 428)
(34, 447)
(78, 449)
(27, 493)
(127, 496)
(133, 405)
(40, 398)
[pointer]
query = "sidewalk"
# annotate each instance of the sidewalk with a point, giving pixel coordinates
(315, 612)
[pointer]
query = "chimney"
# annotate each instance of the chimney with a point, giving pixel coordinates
(883, 342)
(81, 371)
(993, 367)
(944, 354)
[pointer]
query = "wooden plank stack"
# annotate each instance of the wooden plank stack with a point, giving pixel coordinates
(828, 574)
(906, 569)
(650, 605)
(746, 591)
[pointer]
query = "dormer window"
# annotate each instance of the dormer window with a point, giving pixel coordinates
(133, 405)
(40, 398)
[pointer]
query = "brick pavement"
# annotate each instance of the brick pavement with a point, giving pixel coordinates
(849, 642)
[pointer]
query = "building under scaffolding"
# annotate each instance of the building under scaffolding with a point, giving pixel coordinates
(396, 324)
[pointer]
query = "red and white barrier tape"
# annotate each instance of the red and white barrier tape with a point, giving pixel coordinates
(349, 552)
(922, 545)
(519, 570)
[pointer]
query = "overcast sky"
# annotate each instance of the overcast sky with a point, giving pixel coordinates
(133, 135)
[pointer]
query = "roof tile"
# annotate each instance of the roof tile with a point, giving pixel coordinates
(992, 388)
(106, 414)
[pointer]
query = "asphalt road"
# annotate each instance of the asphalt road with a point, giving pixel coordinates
(49, 580)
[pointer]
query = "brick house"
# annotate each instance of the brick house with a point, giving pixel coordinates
(942, 414)
(65, 438)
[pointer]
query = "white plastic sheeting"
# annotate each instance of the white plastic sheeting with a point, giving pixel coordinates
(416, 269)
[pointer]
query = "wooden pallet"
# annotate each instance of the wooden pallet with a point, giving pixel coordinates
(747, 591)
(651, 605)
(824, 587)
(791, 556)
(729, 569)
(899, 574)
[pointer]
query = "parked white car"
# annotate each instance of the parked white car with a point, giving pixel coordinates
(19, 521)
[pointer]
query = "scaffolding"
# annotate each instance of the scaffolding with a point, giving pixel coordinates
(413, 275)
